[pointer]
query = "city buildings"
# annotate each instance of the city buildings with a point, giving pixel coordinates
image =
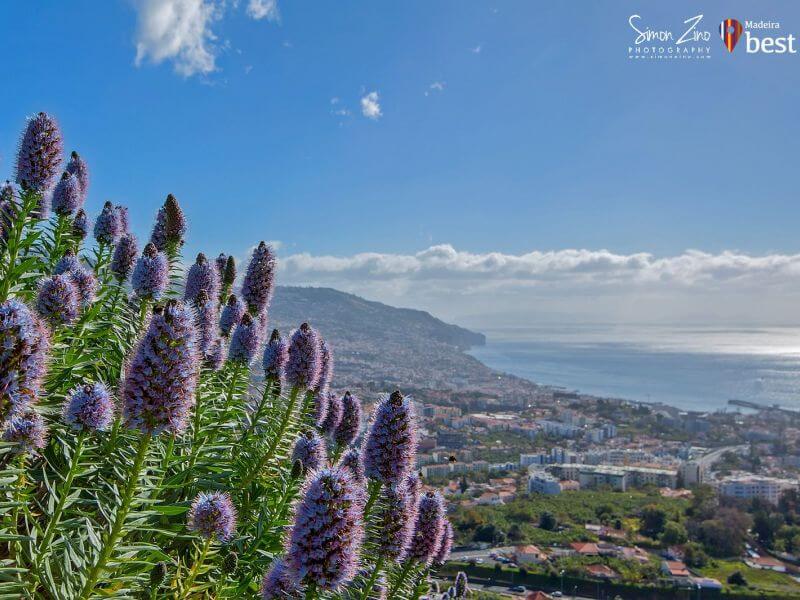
(751, 486)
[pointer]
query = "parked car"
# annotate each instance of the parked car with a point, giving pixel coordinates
(518, 588)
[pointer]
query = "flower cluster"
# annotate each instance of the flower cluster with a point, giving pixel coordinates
(89, 407)
(107, 227)
(303, 366)
(390, 446)
(350, 422)
(58, 300)
(159, 386)
(27, 431)
(309, 449)
(24, 343)
(259, 279)
(327, 531)
(213, 516)
(151, 274)
(276, 355)
(231, 315)
(202, 277)
(39, 154)
(67, 195)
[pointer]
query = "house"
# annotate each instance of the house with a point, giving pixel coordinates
(767, 563)
(636, 554)
(675, 570)
(585, 548)
(489, 498)
(529, 554)
(601, 572)
(706, 583)
(606, 549)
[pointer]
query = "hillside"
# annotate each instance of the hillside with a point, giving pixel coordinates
(378, 347)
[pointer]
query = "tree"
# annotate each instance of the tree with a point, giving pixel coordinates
(725, 535)
(736, 578)
(515, 533)
(654, 518)
(486, 533)
(703, 504)
(674, 533)
(547, 521)
(463, 485)
(694, 555)
(766, 525)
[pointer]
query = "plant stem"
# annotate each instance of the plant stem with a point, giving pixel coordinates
(402, 579)
(311, 591)
(273, 446)
(255, 418)
(52, 524)
(119, 519)
(374, 488)
(28, 201)
(198, 562)
(372, 578)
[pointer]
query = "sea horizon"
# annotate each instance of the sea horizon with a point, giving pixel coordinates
(689, 367)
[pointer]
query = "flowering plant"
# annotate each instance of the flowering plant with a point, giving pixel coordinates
(158, 441)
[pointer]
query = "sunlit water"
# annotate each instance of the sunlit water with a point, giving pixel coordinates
(692, 368)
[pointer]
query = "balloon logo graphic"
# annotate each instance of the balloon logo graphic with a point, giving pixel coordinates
(730, 30)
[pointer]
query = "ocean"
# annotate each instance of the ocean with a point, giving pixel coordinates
(694, 368)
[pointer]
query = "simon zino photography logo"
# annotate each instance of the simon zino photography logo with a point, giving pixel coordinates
(687, 41)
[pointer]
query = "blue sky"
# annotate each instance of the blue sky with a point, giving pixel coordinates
(503, 127)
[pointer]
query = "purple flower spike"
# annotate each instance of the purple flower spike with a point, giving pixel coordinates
(123, 219)
(414, 486)
(303, 367)
(326, 366)
(27, 431)
(309, 449)
(39, 154)
(125, 253)
(107, 227)
(327, 532)
(333, 417)
(461, 585)
(428, 528)
(220, 263)
(351, 460)
(67, 195)
(350, 423)
(278, 584)
(395, 522)
(231, 315)
(175, 221)
(206, 321)
(391, 444)
(276, 354)
(202, 277)
(80, 225)
(159, 387)
(159, 236)
(213, 516)
(321, 402)
(58, 301)
(83, 278)
(151, 274)
(86, 283)
(215, 355)
(245, 340)
(445, 544)
(67, 263)
(89, 407)
(259, 279)
(78, 167)
(23, 350)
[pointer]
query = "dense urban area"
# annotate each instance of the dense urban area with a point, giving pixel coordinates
(556, 492)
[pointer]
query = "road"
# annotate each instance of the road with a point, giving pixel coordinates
(480, 586)
(709, 459)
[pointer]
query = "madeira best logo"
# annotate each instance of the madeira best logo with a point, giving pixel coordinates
(730, 30)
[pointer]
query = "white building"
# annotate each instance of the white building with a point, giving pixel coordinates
(751, 486)
(541, 482)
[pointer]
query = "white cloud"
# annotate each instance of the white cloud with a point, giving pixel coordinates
(436, 86)
(477, 49)
(370, 106)
(264, 9)
(596, 285)
(177, 30)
